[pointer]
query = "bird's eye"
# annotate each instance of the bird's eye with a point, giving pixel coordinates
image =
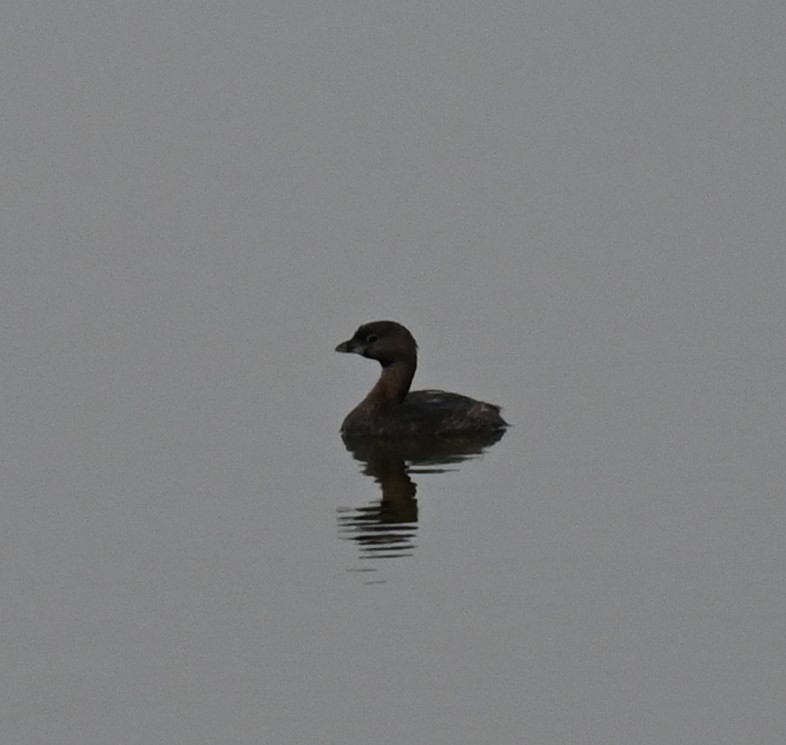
(371, 338)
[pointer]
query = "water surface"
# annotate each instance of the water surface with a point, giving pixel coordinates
(578, 213)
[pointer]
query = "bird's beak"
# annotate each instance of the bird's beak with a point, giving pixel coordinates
(347, 346)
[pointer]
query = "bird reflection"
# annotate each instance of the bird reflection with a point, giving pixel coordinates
(387, 527)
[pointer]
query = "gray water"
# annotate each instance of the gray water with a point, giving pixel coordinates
(577, 209)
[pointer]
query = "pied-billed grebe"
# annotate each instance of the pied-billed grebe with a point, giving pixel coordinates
(390, 410)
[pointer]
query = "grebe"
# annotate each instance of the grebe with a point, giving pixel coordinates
(390, 410)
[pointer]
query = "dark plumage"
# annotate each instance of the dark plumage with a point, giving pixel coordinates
(390, 410)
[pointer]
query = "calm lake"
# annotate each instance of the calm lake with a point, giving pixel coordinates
(577, 212)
